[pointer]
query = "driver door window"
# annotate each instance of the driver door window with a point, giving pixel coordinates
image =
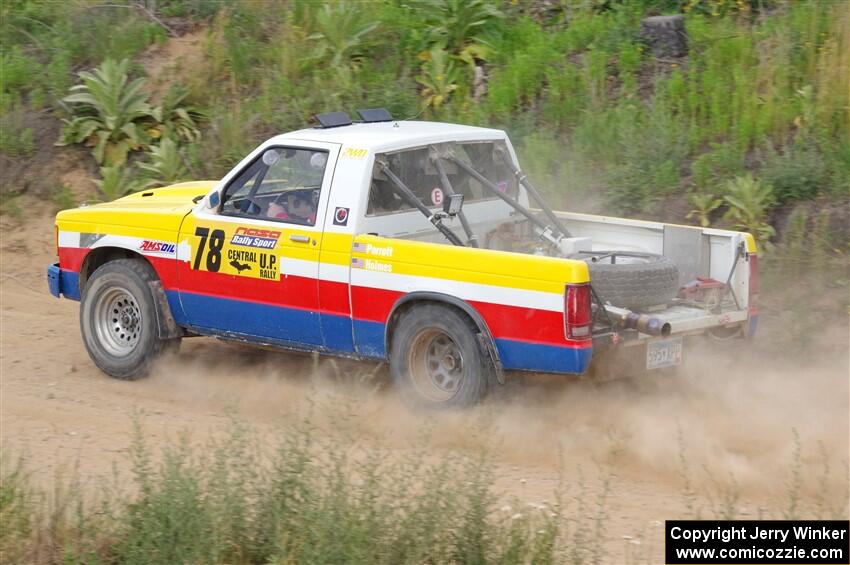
(283, 184)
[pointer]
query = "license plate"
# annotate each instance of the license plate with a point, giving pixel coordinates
(664, 353)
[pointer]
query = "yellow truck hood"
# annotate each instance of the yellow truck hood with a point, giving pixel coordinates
(159, 209)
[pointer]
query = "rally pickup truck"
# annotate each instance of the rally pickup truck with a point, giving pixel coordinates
(417, 243)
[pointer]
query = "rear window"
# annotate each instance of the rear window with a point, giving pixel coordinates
(416, 170)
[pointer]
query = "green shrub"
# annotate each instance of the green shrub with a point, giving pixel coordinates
(438, 78)
(456, 23)
(750, 202)
(837, 163)
(518, 76)
(176, 119)
(796, 172)
(327, 499)
(62, 197)
(16, 70)
(16, 139)
(795, 252)
(650, 150)
(722, 162)
(16, 510)
(116, 181)
(110, 112)
(704, 206)
(343, 32)
(166, 165)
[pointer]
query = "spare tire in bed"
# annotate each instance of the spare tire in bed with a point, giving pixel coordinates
(633, 280)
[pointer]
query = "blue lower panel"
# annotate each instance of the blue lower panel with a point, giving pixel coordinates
(334, 333)
(752, 325)
(524, 356)
(369, 338)
(336, 330)
(176, 307)
(63, 283)
(251, 318)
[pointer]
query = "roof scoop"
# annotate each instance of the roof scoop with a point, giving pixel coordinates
(333, 120)
(372, 115)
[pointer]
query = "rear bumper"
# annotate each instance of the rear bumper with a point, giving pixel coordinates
(63, 283)
(543, 358)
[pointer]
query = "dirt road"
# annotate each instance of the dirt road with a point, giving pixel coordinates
(731, 419)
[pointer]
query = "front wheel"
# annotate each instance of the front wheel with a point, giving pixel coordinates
(118, 319)
(436, 359)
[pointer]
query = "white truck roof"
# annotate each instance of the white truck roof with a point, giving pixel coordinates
(387, 136)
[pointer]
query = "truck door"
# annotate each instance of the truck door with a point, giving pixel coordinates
(252, 265)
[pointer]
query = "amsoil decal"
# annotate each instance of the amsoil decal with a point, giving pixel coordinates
(255, 237)
(341, 216)
(157, 247)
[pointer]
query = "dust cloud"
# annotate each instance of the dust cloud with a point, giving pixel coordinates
(735, 413)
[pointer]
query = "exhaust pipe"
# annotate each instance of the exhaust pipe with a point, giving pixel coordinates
(640, 322)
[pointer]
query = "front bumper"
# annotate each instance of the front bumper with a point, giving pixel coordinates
(63, 283)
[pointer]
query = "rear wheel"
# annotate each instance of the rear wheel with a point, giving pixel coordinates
(436, 359)
(118, 319)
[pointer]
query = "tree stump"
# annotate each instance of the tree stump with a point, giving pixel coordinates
(665, 35)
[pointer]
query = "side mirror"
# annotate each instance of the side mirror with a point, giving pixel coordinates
(214, 200)
(453, 204)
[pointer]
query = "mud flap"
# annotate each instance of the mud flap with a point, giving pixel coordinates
(167, 328)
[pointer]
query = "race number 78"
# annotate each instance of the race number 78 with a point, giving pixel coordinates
(216, 242)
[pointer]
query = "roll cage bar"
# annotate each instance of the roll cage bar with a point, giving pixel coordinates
(551, 233)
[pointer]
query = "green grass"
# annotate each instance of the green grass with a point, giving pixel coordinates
(314, 498)
(761, 92)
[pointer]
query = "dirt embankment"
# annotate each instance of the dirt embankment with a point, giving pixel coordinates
(735, 419)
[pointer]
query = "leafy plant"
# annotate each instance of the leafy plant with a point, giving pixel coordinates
(703, 206)
(116, 181)
(749, 202)
(174, 119)
(456, 23)
(439, 77)
(110, 110)
(166, 166)
(343, 30)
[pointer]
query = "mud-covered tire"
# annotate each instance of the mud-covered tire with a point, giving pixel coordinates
(643, 280)
(436, 359)
(118, 319)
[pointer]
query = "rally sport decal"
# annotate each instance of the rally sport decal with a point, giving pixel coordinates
(250, 252)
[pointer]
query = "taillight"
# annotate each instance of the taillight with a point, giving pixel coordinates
(752, 303)
(577, 313)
